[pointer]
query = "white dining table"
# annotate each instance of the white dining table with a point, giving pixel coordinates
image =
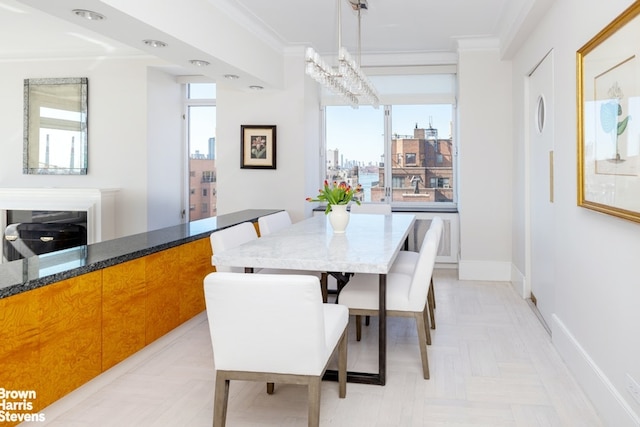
(369, 245)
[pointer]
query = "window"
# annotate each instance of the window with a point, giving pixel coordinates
(420, 145)
(355, 142)
(201, 140)
(410, 159)
(397, 181)
(208, 176)
(404, 152)
(436, 182)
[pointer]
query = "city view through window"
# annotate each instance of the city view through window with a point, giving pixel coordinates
(201, 131)
(421, 153)
(419, 168)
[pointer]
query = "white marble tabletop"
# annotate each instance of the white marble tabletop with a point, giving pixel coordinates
(369, 245)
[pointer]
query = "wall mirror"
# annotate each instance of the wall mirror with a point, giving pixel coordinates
(55, 126)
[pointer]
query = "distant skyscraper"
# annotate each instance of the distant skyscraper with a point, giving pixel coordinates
(212, 148)
(332, 158)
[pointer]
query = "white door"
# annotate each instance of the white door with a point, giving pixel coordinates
(542, 255)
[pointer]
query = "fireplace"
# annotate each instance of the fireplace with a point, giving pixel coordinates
(91, 209)
(30, 233)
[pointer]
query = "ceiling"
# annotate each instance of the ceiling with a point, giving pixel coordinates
(409, 27)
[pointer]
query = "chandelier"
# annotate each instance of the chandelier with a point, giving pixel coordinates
(347, 79)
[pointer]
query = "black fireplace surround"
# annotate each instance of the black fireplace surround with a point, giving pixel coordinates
(30, 233)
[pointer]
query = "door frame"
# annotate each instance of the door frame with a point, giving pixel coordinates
(528, 127)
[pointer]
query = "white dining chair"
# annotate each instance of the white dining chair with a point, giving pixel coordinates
(406, 262)
(406, 295)
(371, 208)
(271, 223)
(231, 237)
(276, 330)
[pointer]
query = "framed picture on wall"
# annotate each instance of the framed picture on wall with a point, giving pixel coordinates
(609, 118)
(258, 147)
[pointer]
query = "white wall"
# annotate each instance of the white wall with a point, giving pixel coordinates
(597, 284)
(118, 155)
(485, 152)
(297, 145)
(166, 151)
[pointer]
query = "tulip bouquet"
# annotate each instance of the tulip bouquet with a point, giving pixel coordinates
(336, 194)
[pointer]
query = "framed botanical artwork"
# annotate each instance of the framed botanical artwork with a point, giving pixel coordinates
(609, 118)
(258, 147)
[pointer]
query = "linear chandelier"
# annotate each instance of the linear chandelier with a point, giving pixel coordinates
(347, 79)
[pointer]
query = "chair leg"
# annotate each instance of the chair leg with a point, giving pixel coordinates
(433, 295)
(342, 365)
(220, 401)
(358, 327)
(422, 341)
(270, 388)
(425, 319)
(431, 298)
(367, 320)
(314, 402)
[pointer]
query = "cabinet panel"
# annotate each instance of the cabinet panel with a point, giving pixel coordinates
(162, 311)
(19, 343)
(195, 259)
(70, 335)
(123, 311)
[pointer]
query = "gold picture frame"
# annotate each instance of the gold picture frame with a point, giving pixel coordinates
(258, 147)
(608, 74)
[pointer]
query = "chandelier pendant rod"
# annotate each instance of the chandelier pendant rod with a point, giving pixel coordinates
(339, 25)
(359, 38)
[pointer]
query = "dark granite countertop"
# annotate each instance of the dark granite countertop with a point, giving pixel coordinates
(34, 272)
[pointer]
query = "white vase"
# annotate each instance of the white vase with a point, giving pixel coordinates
(339, 218)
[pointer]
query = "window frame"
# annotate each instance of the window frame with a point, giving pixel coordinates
(188, 174)
(388, 167)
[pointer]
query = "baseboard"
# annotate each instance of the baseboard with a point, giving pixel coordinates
(608, 401)
(484, 270)
(518, 282)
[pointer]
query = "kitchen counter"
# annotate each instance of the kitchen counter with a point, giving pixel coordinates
(37, 271)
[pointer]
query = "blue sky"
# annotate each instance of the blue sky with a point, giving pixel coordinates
(358, 133)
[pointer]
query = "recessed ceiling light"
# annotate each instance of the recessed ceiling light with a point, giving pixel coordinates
(256, 87)
(154, 43)
(199, 62)
(88, 14)
(231, 76)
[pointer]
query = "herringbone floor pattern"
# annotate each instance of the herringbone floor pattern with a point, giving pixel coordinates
(492, 364)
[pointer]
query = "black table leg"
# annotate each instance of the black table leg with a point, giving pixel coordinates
(367, 377)
(382, 328)
(324, 288)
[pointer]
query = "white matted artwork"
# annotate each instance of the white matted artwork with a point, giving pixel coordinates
(609, 118)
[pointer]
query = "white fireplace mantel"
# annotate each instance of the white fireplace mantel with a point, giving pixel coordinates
(99, 204)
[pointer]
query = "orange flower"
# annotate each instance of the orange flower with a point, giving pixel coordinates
(336, 194)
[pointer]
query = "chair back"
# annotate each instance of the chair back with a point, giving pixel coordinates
(271, 223)
(437, 225)
(371, 208)
(423, 271)
(266, 322)
(230, 238)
